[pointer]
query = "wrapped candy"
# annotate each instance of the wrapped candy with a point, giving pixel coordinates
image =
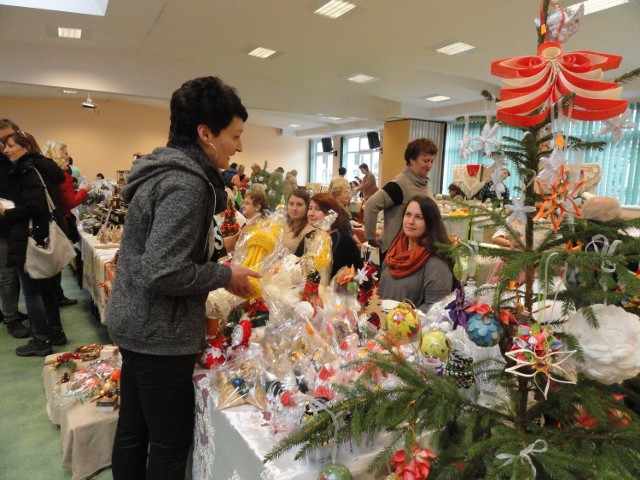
(239, 381)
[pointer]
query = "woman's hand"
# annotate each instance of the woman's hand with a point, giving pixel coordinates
(239, 283)
(2, 209)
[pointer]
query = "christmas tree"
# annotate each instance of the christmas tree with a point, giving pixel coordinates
(229, 226)
(563, 399)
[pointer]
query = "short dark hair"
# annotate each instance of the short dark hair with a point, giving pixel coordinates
(418, 146)
(6, 122)
(364, 165)
(233, 165)
(203, 101)
(342, 171)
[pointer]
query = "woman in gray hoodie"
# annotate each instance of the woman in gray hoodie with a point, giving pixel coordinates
(167, 266)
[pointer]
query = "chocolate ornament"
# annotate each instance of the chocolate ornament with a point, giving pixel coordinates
(334, 471)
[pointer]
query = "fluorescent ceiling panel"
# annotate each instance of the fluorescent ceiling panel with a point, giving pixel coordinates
(593, 6)
(437, 98)
(261, 52)
(455, 48)
(361, 78)
(85, 7)
(335, 9)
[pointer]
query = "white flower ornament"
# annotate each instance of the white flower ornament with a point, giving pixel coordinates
(615, 126)
(519, 210)
(487, 139)
(551, 166)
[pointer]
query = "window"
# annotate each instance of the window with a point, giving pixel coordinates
(356, 152)
(620, 162)
(321, 170)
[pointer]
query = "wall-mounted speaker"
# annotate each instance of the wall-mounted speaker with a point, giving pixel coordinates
(374, 140)
(327, 145)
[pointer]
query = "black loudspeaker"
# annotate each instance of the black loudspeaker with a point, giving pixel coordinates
(327, 145)
(374, 140)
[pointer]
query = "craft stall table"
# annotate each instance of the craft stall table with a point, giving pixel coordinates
(86, 434)
(230, 445)
(96, 258)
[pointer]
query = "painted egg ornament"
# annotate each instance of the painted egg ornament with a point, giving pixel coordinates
(403, 322)
(435, 344)
(334, 471)
(484, 330)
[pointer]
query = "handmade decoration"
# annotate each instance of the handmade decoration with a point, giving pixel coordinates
(435, 344)
(519, 210)
(560, 201)
(536, 351)
(533, 83)
(560, 24)
(335, 471)
(611, 353)
(459, 369)
(615, 126)
(403, 322)
(487, 140)
(415, 466)
(525, 455)
(215, 354)
(229, 226)
(240, 387)
(551, 166)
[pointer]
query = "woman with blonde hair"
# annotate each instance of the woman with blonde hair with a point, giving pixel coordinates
(342, 192)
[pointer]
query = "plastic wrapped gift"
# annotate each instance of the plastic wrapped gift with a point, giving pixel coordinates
(259, 246)
(240, 381)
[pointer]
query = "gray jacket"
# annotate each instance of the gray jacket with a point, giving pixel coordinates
(392, 198)
(164, 272)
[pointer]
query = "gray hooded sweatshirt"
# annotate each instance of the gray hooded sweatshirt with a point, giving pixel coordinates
(164, 271)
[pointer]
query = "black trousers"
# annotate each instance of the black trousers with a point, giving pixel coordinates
(155, 426)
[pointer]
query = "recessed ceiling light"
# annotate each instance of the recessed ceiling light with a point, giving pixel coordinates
(334, 119)
(261, 52)
(455, 48)
(437, 98)
(70, 92)
(294, 125)
(361, 78)
(335, 8)
(75, 33)
(592, 6)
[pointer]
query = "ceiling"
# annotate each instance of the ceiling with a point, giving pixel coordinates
(141, 51)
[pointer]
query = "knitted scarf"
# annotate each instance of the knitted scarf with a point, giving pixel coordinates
(402, 260)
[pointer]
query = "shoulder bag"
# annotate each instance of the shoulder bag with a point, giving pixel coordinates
(57, 252)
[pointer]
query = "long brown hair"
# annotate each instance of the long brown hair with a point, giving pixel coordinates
(304, 195)
(327, 202)
(435, 232)
(25, 140)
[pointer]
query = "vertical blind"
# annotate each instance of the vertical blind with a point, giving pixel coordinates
(620, 161)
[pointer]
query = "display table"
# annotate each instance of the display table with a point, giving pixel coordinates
(230, 445)
(95, 257)
(86, 434)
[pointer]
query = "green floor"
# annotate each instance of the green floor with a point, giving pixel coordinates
(29, 442)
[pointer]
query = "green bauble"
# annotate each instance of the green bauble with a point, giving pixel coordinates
(334, 471)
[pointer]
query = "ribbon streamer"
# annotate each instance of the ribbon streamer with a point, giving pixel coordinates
(524, 456)
(474, 249)
(607, 249)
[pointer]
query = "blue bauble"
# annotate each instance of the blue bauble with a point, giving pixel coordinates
(334, 471)
(484, 330)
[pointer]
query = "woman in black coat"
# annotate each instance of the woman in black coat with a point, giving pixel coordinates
(28, 193)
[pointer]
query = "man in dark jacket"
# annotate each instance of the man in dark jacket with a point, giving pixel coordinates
(9, 282)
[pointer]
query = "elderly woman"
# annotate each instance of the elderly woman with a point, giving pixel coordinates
(412, 269)
(69, 198)
(344, 250)
(29, 194)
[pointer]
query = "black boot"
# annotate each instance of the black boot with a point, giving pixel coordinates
(17, 329)
(65, 301)
(57, 337)
(35, 348)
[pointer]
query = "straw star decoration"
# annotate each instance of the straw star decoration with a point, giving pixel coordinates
(560, 201)
(547, 364)
(615, 126)
(551, 166)
(519, 210)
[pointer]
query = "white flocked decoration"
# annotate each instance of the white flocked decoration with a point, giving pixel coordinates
(611, 352)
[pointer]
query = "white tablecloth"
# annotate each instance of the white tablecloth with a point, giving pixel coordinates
(94, 257)
(230, 445)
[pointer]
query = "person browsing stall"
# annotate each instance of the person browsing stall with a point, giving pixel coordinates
(297, 223)
(413, 268)
(343, 248)
(166, 268)
(392, 199)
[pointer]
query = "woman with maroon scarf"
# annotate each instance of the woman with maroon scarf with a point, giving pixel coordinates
(412, 269)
